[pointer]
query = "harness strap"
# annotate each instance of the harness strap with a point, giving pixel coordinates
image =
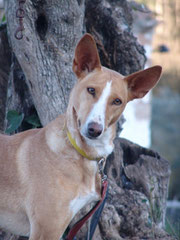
(72, 233)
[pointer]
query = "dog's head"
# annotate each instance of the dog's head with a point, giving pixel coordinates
(100, 96)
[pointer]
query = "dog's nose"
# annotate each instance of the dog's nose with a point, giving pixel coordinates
(94, 129)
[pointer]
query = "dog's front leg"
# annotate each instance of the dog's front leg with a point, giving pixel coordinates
(39, 232)
(50, 226)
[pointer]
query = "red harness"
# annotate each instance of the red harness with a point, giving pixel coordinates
(73, 231)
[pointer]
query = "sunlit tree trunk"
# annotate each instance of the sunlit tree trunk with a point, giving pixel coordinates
(52, 29)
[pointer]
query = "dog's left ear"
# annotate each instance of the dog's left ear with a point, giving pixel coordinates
(86, 57)
(139, 83)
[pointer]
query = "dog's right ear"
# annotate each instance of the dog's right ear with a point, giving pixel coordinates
(86, 57)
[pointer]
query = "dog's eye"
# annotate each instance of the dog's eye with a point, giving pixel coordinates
(91, 91)
(117, 101)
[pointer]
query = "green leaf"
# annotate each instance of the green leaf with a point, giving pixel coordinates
(149, 223)
(33, 120)
(3, 19)
(152, 189)
(14, 121)
(144, 200)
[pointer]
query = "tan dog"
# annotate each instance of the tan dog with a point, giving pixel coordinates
(44, 180)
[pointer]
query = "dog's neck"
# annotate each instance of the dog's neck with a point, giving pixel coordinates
(93, 148)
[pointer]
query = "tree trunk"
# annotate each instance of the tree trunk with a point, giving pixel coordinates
(52, 29)
(5, 63)
(110, 21)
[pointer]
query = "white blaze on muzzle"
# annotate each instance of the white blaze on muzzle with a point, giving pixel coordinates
(98, 113)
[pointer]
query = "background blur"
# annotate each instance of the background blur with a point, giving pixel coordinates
(155, 121)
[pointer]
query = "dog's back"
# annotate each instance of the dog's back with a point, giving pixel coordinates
(9, 148)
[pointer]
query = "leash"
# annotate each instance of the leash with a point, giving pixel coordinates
(72, 233)
(95, 218)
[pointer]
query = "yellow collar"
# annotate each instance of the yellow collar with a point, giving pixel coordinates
(78, 149)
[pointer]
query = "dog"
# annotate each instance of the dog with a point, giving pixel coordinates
(47, 175)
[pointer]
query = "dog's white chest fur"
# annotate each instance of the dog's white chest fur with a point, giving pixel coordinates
(16, 223)
(86, 195)
(80, 201)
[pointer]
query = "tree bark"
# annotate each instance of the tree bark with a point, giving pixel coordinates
(52, 29)
(110, 22)
(5, 64)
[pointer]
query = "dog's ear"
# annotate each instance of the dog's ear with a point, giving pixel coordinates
(139, 83)
(86, 57)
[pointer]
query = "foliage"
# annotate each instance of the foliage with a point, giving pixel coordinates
(3, 19)
(33, 120)
(14, 121)
(173, 228)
